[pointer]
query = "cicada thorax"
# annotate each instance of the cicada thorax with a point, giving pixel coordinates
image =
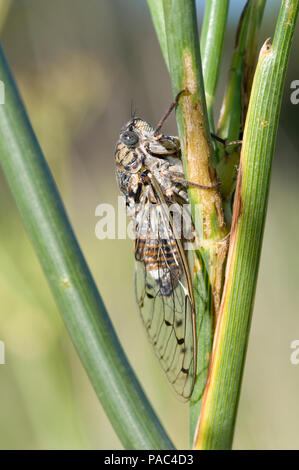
(130, 159)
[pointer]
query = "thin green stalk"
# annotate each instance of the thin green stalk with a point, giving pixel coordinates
(211, 44)
(216, 425)
(157, 13)
(235, 104)
(230, 125)
(72, 285)
(251, 49)
(207, 262)
(185, 73)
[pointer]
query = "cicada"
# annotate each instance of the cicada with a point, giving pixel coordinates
(150, 175)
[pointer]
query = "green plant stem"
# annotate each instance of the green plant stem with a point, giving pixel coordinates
(72, 285)
(207, 262)
(216, 425)
(231, 122)
(235, 104)
(211, 44)
(157, 13)
(229, 125)
(251, 49)
(185, 73)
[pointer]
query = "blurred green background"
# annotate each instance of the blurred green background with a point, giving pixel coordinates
(79, 64)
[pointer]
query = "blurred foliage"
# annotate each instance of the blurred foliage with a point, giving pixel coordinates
(78, 68)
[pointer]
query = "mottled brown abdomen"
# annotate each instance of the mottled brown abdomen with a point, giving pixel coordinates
(160, 257)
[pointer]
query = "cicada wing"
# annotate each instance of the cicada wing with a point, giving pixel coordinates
(164, 296)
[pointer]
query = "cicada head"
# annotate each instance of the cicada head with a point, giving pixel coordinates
(129, 154)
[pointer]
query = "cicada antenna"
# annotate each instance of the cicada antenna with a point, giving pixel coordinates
(133, 110)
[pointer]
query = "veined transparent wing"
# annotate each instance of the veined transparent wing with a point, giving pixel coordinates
(164, 293)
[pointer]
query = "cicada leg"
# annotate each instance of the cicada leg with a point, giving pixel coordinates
(168, 112)
(225, 141)
(177, 177)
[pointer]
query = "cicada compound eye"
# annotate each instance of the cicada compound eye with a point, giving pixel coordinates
(129, 138)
